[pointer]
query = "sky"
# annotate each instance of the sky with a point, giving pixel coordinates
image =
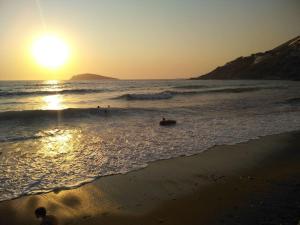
(141, 39)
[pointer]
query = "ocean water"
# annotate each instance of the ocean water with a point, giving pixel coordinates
(52, 135)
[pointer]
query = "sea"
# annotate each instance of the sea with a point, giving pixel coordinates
(54, 136)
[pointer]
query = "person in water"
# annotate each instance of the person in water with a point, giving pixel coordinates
(106, 110)
(165, 122)
(41, 214)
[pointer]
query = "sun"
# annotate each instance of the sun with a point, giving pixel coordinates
(50, 51)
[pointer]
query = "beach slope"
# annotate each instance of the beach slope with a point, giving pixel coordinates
(257, 182)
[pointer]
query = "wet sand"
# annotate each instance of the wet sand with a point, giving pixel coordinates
(257, 182)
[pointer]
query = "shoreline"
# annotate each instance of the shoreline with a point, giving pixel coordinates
(173, 191)
(57, 190)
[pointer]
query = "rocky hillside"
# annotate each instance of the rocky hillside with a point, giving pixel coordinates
(280, 63)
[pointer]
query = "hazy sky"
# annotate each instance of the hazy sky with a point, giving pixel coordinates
(142, 39)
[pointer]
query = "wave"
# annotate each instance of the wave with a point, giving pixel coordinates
(70, 113)
(293, 101)
(191, 87)
(170, 94)
(50, 114)
(147, 96)
(10, 103)
(29, 137)
(19, 138)
(236, 90)
(70, 91)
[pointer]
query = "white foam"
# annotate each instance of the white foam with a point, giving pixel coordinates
(81, 153)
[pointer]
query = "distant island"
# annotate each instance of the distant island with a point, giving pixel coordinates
(280, 63)
(90, 76)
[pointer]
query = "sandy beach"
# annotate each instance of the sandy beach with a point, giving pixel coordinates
(256, 182)
(149, 112)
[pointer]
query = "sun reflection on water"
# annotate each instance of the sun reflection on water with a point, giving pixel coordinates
(59, 142)
(52, 102)
(53, 82)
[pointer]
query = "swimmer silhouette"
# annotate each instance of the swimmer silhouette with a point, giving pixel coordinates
(106, 110)
(165, 122)
(41, 214)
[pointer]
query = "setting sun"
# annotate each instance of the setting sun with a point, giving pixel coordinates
(50, 51)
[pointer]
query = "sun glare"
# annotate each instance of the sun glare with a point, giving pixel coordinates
(52, 102)
(50, 51)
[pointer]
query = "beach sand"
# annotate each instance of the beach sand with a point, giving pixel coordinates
(257, 182)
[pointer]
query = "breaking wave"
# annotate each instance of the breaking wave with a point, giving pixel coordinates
(50, 114)
(191, 87)
(170, 94)
(293, 101)
(23, 138)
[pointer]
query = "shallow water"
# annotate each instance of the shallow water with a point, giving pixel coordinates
(52, 135)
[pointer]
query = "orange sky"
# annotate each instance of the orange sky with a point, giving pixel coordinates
(140, 39)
